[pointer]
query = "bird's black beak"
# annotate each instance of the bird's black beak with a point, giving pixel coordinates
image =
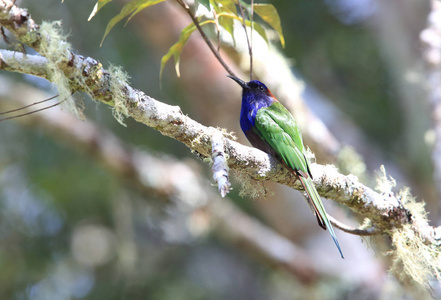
(242, 83)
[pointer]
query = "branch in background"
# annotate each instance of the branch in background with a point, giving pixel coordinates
(355, 231)
(430, 38)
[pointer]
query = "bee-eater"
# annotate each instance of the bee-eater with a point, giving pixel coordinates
(270, 127)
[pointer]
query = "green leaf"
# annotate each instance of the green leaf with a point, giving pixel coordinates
(97, 7)
(269, 14)
(257, 27)
(228, 25)
(244, 4)
(133, 7)
(205, 3)
(177, 48)
(228, 5)
(142, 6)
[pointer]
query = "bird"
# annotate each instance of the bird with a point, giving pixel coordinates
(270, 127)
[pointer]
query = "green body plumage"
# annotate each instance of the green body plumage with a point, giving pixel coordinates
(276, 126)
(270, 127)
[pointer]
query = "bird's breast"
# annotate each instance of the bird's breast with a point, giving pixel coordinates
(250, 107)
(247, 118)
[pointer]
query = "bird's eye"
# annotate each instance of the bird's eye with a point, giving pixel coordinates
(261, 88)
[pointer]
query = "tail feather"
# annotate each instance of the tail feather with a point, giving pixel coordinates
(319, 209)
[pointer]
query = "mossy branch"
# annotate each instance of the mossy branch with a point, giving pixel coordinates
(91, 77)
(385, 210)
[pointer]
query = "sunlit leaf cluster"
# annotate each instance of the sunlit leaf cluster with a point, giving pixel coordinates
(223, 14)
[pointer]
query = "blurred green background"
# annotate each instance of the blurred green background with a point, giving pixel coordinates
(70, 229)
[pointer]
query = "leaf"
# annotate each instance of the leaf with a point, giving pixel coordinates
(243, 3)
(133, 7)
(176, 49)
(269, 14)
(228, 25)
(228, 5)
(257, 27)
(226, 22)
(142, 6)
(97, 7)
(205, 3)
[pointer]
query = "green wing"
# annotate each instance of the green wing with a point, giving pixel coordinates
(276, 126)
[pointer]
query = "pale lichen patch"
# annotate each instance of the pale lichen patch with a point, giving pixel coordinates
(54, 47)
(118, 80)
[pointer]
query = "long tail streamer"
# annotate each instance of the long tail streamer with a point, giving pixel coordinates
(319, 209)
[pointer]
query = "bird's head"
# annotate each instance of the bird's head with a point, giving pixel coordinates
(253, 89)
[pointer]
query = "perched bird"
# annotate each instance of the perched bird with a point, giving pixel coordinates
(270, 127)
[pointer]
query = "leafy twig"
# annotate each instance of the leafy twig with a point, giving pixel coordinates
(205, 37)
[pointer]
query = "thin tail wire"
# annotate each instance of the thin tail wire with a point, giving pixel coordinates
(23, 107)
(314, 197)
(31, 112)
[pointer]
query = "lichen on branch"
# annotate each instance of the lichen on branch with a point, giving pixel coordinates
(220, 166)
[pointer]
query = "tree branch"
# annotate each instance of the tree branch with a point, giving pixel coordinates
(385, 211)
